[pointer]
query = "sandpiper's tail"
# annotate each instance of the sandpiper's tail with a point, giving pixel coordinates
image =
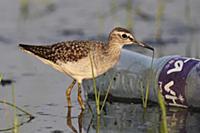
(40, 51)
(44, 53)
(37, 50)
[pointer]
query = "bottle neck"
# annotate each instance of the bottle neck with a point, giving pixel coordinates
(130, 60)
(141, 64)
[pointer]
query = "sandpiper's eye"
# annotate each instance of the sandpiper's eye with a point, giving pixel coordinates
(124, 36)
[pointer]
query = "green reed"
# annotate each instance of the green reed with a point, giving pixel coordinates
(197, 50)
(98, 93)
(18, 108)
(141, 88)
(98, 124)
(148, 84)
(188, 21)
(129, 14)
(16, 123)
(163, 127)
(97, 96)
(24, 8)
(113, 10)
(159, 15)
(192, 42)
(161, 102)
(1, 77)
(24, 4)
(107, 92)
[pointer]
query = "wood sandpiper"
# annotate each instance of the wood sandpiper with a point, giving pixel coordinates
(76, 58)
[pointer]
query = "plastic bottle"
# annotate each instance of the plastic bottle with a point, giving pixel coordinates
(177, 78)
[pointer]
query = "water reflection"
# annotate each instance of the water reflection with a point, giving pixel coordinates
(179, 25)
(131, 118)
(176, 119)
(123, 118)
(70, 123)
(12, 112)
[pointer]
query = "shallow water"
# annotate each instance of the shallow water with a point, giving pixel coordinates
(40, 90)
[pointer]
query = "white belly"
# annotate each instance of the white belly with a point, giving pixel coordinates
(78, 70)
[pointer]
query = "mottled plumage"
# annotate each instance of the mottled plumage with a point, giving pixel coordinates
(74, 58)
(68, 51)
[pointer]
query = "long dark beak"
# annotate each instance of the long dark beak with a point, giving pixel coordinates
(145, 45)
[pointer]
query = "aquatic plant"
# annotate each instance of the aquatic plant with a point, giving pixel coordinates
(1, 77)
(16, 123)
(148, 84)
(163, 126)
(24, 8)
(159, 15)
(97, 96)
(98, 93)
(129, 15)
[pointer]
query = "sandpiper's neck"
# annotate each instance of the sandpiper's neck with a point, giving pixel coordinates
(109, 56)
(114, 47)
(113, 51)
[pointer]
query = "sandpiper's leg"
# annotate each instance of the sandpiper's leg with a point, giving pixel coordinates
(80, 100)
(68, 92)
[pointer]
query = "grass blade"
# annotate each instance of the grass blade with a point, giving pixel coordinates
(163, 128)
(108, 90)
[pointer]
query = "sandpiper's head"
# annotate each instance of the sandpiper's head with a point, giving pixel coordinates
(122, 36)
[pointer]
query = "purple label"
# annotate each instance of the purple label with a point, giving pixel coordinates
(172, 80)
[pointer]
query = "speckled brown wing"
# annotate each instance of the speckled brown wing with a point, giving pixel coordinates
(69, 51)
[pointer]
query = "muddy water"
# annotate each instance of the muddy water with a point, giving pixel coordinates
(40, 90)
